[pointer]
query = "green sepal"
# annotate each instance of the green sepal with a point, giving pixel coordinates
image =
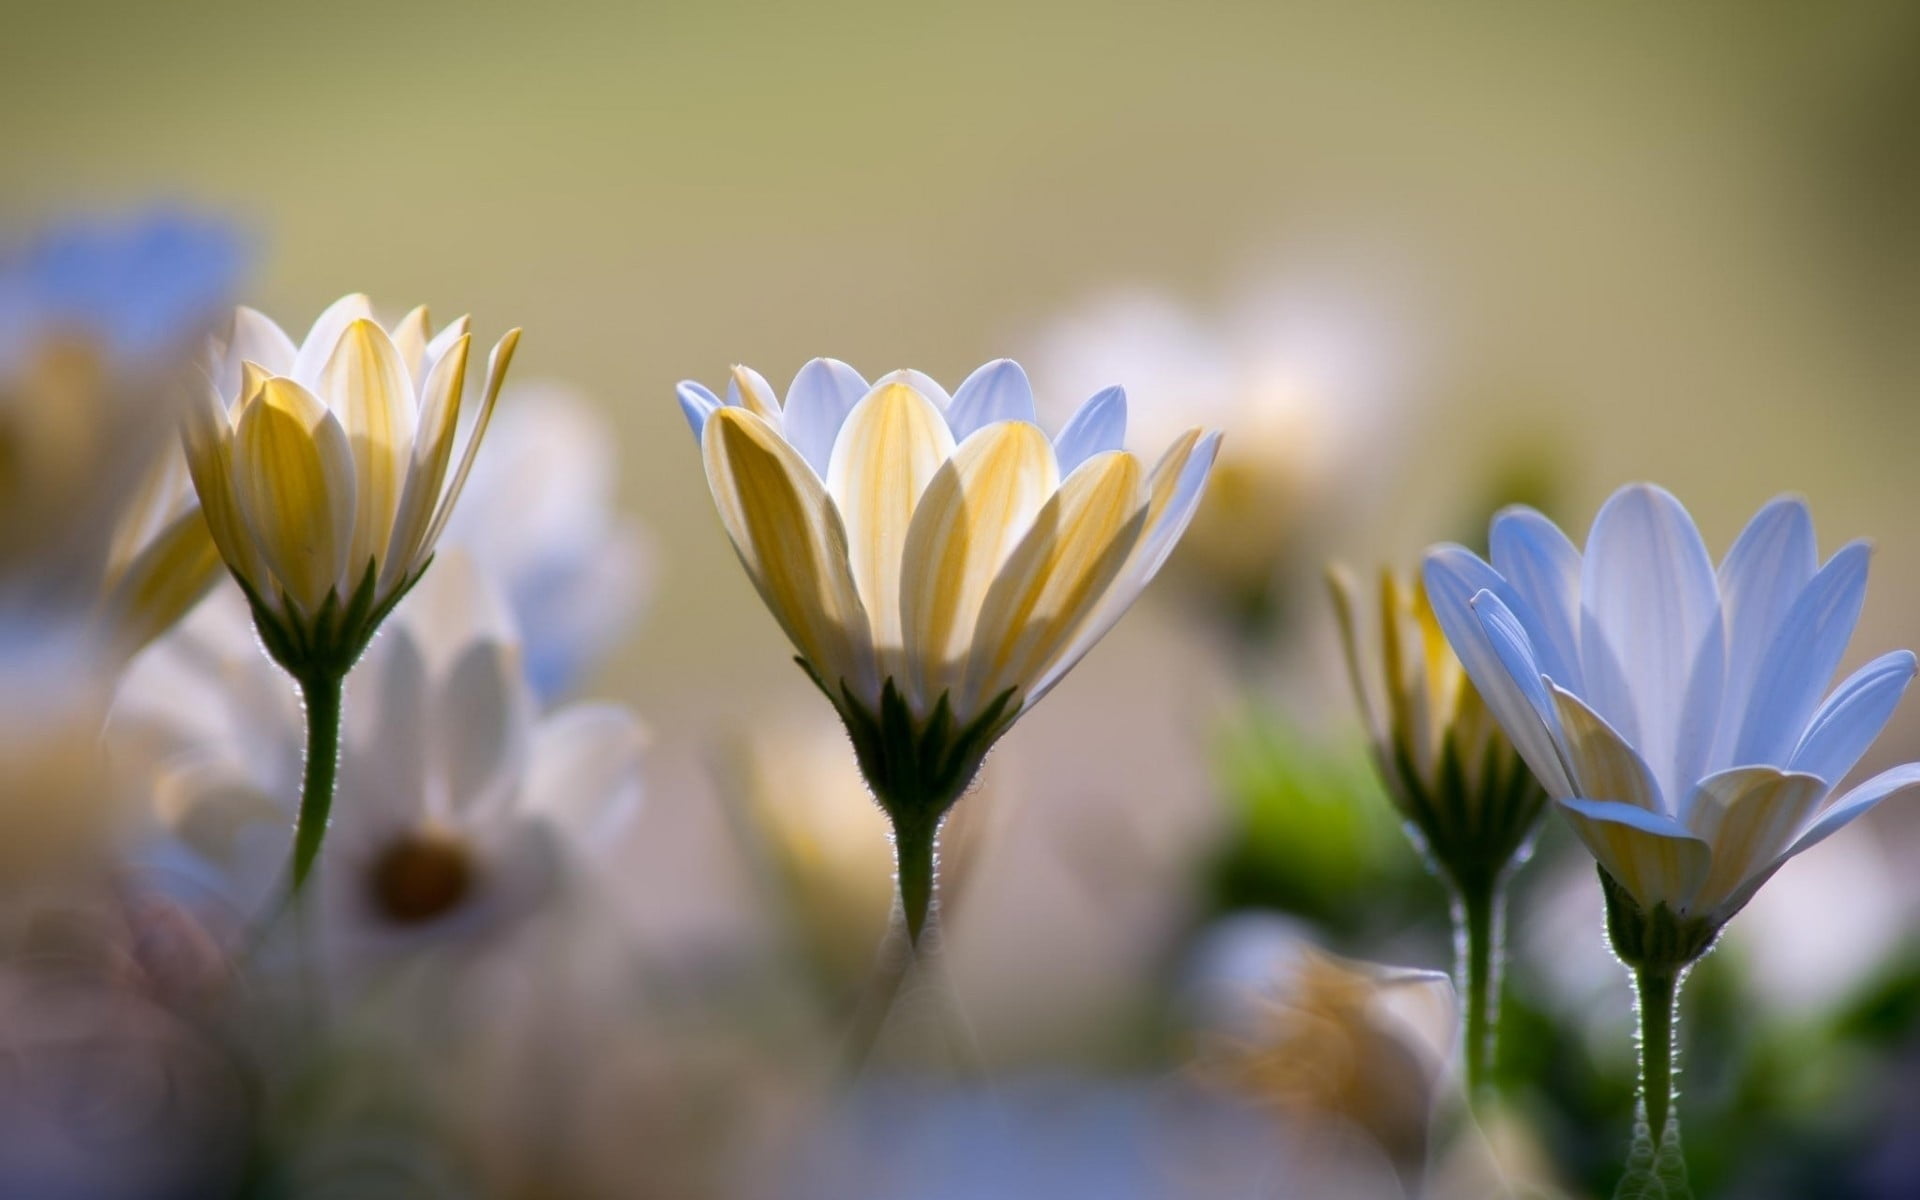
(917, 769)
(333, 639)
(1657, 939)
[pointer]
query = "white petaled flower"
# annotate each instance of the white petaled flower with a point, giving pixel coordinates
(939, 562)
(1298, 373)
(1678, 713)
(323, 468)
(539, 519)
(458, 803)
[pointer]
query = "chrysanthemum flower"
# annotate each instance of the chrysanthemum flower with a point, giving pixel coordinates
(1678, 714)
(322, 470)
(938, 562)
(1470, 800)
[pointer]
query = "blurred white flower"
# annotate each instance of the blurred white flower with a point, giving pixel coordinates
(1302, 377)
(458, 801)
(539, 519)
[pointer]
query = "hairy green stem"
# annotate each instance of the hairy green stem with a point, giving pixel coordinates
(1656, 1167)
(321, 691)
(1481, 922)
(913, 848)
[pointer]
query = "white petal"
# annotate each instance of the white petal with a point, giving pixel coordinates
(325, 334)
(585, 769)
(1853, 717)
(818, 401)
(1856, 803)
(1806, 650)
(1648, 589)
(1543, 567)
(920, 382)
(1100, 425)
(697, 403)
(998, 391)
(1601, 763)
(482, 718)
(1768, 567)
(1747, 815)
(256, 339)
(1454, 576)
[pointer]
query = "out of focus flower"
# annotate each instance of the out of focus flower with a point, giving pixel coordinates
(322, 472)
(1470, 801)
(1300, 377)
(1322, 1039)
(939, 563)
(459, 803)
(1675, 713)
(539, 519)
(99, 328)
(1449, 769)
(827, 845)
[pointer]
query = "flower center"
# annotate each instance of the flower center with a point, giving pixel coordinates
(421, 876)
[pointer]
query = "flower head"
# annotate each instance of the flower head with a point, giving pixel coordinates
(99, 327)
(938, 562)
(1449, 769)
(1674, 710)
(323, 468)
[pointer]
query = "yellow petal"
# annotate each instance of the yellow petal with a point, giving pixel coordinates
(789, 538)
(161, 582)
(293, 477)
(1653, 857)
(432, 449)
(887, 452)
(367, 385)
(1055, 577)
(756, 394)
(1747, 816)
(497, 364)
(976, 509)
(207, 438)
(1601, 764)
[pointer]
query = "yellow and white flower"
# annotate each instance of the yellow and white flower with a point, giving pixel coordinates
(323, 468)
(1447, 765)
(938, 562)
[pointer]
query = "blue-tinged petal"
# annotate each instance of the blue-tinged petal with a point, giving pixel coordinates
(1100, 425)
(1747, 816)
(1857, 803)
(1533, 556)
(1806, 649)
(1853, 717)
(818, 401)
(998, 391)
(1455, 580)
(1768, 567)
(697, 402)
(1650, 855)
(1648, 589)
(1700, 715)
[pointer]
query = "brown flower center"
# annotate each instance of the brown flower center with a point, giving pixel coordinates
(421, 876)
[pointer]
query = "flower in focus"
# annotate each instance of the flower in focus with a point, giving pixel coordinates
(323, 468)
(1678, 715)
(938, 562)
(460, 804)
(1449, 769)
(1299, 377)
(99, 329)
(538, 518)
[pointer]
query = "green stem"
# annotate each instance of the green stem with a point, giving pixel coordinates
(913, 848)
(1658, 988)
(321, 691)
(1481, 924)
